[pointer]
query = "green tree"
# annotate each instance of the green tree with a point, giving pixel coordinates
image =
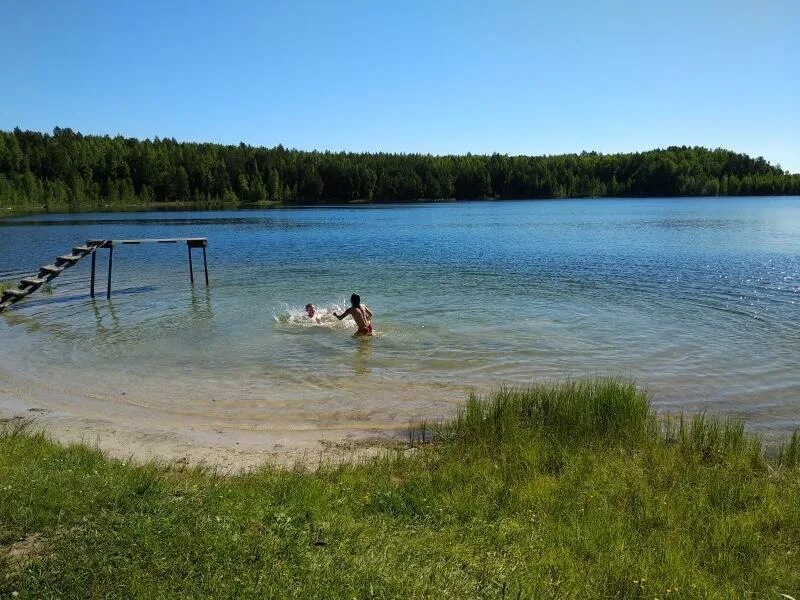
(66, 170)
(274, 187)
(182, 189)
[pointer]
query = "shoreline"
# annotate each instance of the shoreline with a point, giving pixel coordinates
(137, 424)
(234, 426)
(225, 449)
(143, 434)
(562, 490)
(188, 206)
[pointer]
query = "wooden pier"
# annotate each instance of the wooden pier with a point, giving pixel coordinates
(111, 244)
(28, 285)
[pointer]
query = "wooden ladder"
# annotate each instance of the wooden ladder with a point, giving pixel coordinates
(28, 285)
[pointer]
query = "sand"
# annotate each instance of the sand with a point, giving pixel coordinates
(136, 425)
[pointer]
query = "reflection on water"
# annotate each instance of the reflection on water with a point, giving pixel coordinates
(697, 298)
(362, 356)
(201, 304)
(108, 308)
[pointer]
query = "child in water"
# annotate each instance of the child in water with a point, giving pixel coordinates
(311, 311)
(361, 315)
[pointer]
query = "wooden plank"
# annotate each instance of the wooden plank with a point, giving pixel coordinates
(33, 281)
(107, 243)
(15, 293)
(51, 269)
(70, 258)
(82, 249)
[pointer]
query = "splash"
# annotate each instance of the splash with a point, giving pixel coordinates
(295, 316)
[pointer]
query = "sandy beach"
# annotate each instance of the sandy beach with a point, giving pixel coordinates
(139, 425)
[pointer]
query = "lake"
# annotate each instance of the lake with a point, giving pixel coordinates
(697, 299)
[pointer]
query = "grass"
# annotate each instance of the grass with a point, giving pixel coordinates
(176, 205)
(47, 288)
(568, 490)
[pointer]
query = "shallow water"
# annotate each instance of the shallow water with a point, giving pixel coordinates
(698, 299)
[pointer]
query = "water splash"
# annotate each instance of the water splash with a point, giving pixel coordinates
(296, 317)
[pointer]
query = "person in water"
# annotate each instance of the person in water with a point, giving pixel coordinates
(311, 311)
(361, 315)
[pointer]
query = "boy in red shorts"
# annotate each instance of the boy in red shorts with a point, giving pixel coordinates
(361, 315)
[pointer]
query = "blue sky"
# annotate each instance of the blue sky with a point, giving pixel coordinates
(437, 77)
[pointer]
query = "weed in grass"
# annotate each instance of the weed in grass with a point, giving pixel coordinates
(789, 455)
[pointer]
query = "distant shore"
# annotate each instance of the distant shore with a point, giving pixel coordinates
(69, 171)
(177, 206)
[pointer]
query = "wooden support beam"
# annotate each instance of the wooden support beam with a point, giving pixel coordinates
(191, 270)
(110, 263)
(194, 242)
(91, 285)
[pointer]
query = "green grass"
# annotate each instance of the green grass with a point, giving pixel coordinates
(47, 288)
(570, 490)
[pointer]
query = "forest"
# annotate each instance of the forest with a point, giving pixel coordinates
(67, 171)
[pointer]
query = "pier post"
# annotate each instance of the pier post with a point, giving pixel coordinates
(191, 270)
(205, 263)
(94, 262)
(110, 262)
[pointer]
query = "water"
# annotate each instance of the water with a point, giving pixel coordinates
(698, 299)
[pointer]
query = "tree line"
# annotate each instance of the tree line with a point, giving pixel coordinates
(67, 171)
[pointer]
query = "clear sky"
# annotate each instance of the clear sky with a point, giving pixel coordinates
(536, 77)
